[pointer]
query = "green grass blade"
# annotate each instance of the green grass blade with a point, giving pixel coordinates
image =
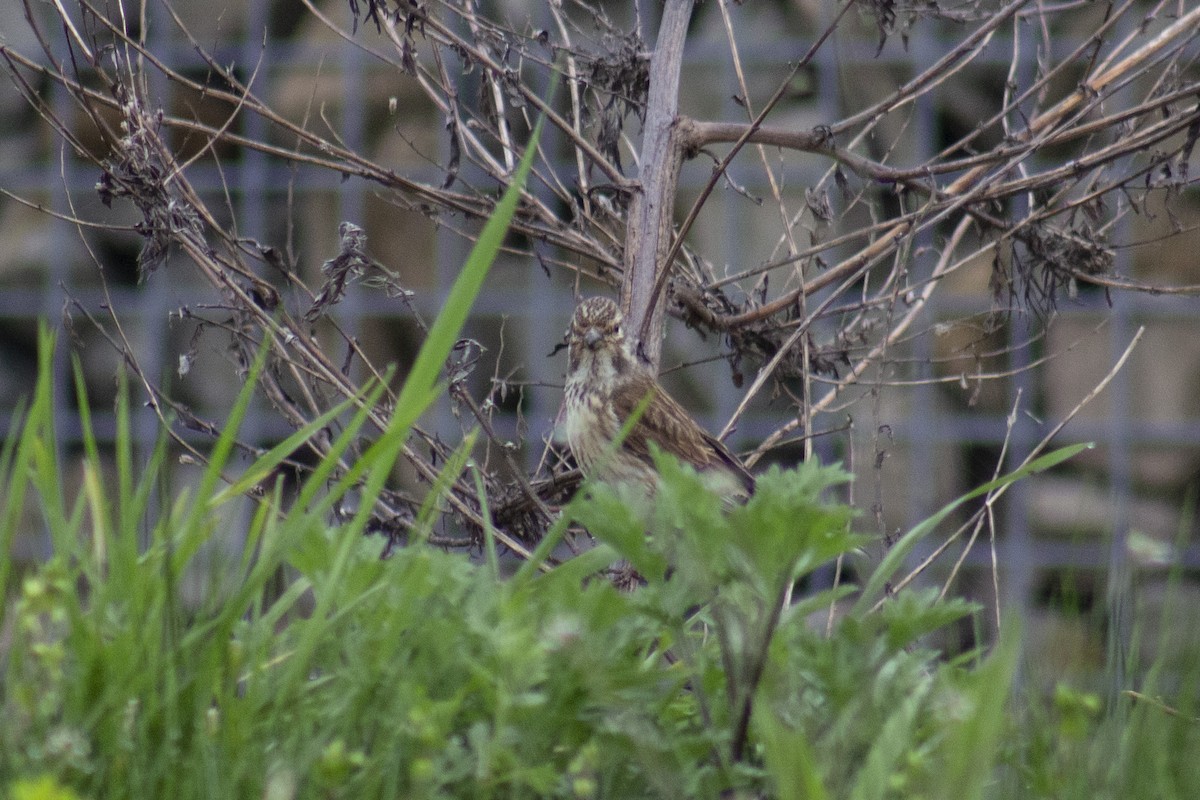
(421, 384)
(788, 757)
(418, 392)
(450, 473)
(489, 533)
(193, 530)
(444, 333)
(12, 492)
(267, 462)
(973, 742)
(322, 472)
(899, 552)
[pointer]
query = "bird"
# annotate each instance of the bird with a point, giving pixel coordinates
(605, 384)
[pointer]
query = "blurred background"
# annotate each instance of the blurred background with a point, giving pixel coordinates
(1082, 554)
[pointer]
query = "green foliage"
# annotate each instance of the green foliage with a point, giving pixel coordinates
(431, 675)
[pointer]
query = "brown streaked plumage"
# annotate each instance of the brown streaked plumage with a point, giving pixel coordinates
(605, 384)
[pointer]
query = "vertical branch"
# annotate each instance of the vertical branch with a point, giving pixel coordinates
(652, 206)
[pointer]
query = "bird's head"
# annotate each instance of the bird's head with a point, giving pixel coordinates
(595, 333)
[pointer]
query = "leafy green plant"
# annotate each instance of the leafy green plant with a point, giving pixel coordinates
(432, 675)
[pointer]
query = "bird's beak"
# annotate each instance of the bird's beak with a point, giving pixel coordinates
(592, 338)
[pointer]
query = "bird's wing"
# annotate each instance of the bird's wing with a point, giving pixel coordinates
(732, 462)
(668, 425)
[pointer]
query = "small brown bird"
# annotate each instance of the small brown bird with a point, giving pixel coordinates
(605, 384)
